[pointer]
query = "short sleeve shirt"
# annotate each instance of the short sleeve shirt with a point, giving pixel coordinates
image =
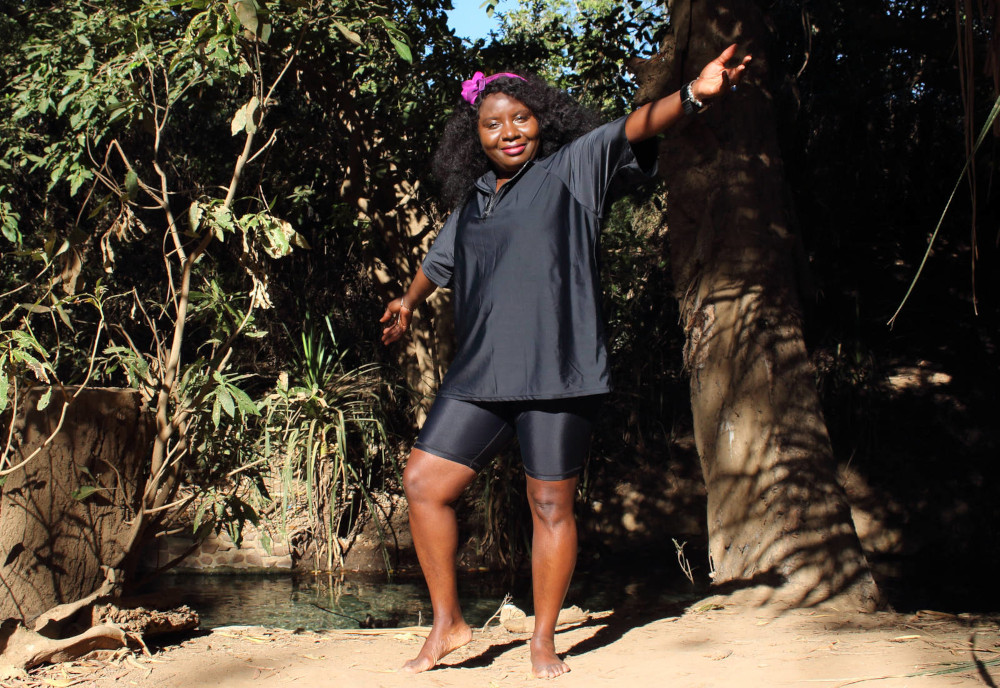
(523, 265)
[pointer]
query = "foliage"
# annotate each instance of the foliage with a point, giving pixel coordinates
(135, 176)
(583, 47)
(325, 429)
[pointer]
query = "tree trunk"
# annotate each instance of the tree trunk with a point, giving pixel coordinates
(776, 514)
(56, 530)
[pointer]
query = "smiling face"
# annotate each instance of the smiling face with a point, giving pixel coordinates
(508, 132)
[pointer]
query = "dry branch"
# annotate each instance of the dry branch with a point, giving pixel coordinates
(567, 617)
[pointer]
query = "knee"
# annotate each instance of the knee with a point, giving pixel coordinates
(429, 479)
(416, 481)
(551, 507)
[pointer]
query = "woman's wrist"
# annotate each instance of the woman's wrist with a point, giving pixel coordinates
(691, 102)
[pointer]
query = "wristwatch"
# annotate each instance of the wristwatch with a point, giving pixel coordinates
(692, 106)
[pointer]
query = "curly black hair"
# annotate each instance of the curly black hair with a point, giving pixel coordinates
(460, 160)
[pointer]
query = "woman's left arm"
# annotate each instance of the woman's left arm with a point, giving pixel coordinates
(658, 116)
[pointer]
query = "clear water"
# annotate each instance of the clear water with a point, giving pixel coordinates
(319, 602)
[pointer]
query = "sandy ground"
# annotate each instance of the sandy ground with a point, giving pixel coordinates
(708, 645)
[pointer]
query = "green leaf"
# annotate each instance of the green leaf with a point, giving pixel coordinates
(244, 118)
(43, 401)
(84, 491)
(245, 403)
(195, 213)
(67, 99)
(26, 341)
(77, 179)
(116, 113)
(61, 312)
(216, 412)
(10, 232)
(54, 250)
(239, 122)
(278, 234)
(348, 34)
(132, 185)
(199, 513)
(4, 385)
(222, 221)
(226, 400)
(33, 363)
(247, 14)
(402, 48)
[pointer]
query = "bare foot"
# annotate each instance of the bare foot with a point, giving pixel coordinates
(443, 639)
(545, 663)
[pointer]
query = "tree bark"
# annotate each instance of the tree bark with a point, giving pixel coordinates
(55, 538)
(776, 514)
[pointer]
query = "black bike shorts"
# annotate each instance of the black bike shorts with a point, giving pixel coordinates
(554, 434)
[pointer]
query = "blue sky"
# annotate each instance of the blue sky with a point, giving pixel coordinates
(469, 19)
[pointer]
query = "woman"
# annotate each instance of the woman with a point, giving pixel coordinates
(529, 176)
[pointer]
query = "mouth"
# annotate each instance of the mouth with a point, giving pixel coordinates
(514, 150)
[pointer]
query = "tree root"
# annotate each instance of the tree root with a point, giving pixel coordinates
(51, 622)
(112, 628)
(24, 649)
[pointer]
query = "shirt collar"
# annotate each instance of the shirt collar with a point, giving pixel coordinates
(488, 182)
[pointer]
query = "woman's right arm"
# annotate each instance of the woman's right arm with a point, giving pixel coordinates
(714, 81)
(399, 312)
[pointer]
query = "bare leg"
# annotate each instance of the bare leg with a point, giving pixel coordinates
(432, 485)
(553, 558)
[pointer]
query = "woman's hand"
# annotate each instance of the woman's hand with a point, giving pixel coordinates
(398, 315)
(716, 79)
(659, 115)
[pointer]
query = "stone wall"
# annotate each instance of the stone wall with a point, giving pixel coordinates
(219, 554)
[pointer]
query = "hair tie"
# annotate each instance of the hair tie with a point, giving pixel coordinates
(472, 88)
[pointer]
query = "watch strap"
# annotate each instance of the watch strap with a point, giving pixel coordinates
(691, 105)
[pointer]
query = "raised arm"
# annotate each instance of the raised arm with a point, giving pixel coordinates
(713, 82)
(399, 312)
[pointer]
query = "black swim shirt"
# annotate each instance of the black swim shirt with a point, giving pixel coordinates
(522, 263)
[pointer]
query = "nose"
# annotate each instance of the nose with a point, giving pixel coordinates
(509, 132)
